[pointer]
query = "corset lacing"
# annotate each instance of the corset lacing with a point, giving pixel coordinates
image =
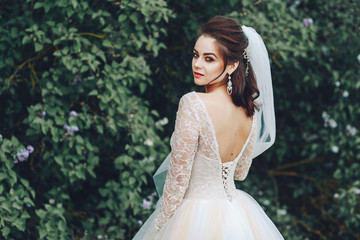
(225, 175)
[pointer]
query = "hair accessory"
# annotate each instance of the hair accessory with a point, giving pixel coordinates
(246, 57)
(229, 86)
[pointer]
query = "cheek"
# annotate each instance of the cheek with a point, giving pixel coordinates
(216, 69)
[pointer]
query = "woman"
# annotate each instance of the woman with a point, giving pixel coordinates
(217, 134)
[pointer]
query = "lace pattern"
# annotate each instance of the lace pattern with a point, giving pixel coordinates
(196, 170)
(244, 163)
(184, 143)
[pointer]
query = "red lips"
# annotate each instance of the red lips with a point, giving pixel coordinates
(198, 75)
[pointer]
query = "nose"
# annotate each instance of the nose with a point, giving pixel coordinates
(197, 63)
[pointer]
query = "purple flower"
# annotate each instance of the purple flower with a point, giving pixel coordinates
(74, 128)
(43, 114)
(71, 129)
(25, 154)
(1, 136)
(30, 149)
(73, 113)
(22, 155)
(146, 204)
(151, 196)
(67, 127)
(307, 21)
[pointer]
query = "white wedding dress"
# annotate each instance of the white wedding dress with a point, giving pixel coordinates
(200, 201)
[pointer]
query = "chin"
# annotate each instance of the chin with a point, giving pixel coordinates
(199, 82)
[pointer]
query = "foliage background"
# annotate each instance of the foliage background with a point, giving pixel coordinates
(89, 85)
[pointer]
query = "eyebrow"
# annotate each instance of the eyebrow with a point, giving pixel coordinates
(206, 53)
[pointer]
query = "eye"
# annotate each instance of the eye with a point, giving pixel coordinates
(209, 59)
(195, 55)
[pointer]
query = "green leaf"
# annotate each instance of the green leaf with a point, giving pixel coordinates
(100, 129)
(133, 18)
(59, 160)
(24, 182)
(13, 177)
(25, 215)
(122, 17)
(5, 231)
(2, 176)
(16, 205)
(6, 205)
(62, 226)
(26, 39)
(38, 5)
(42, 233)
(40, 213)
(142, 87)
(106, 43)
(37, 46)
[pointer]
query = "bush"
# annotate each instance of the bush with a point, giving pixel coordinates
(82, 91)
(72, 78)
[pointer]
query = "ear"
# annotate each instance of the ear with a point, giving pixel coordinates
(232, 67)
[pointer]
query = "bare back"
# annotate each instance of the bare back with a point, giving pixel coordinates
(231, 124)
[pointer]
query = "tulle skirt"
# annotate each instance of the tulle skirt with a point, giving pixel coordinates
(214, 219)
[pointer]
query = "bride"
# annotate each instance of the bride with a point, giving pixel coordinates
(217, 134)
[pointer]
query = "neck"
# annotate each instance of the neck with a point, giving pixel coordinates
(217, 89)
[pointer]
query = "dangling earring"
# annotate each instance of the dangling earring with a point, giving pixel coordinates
(229, 86)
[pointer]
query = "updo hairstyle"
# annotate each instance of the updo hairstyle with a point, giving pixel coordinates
(232, 42)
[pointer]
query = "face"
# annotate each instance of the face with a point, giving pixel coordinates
(207, 63)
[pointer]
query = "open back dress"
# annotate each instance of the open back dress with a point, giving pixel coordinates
(200, 201)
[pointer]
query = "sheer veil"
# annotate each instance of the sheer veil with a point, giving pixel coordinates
(264, 116)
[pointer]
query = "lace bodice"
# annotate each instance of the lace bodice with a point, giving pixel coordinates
(196, 170)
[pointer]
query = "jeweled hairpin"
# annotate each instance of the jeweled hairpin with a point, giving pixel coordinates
(246, 57)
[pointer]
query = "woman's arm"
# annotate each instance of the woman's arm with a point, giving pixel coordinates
(184, 143)
(244, 163)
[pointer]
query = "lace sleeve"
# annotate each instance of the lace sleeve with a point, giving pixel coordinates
(184, 143)
(244, 163)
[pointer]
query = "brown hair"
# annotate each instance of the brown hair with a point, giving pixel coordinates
(232, 42)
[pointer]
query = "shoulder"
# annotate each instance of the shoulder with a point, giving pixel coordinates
(198, 101)
(196, 97)
(189, 100)
(188, 97)
(189, 104)
(209, 101)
